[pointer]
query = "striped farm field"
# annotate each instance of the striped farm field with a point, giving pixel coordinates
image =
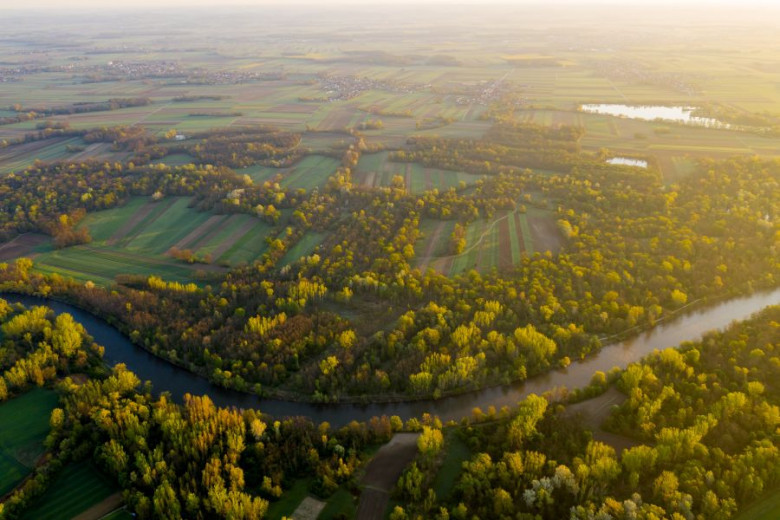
(24, 425)
(376, 170)
(139, 237)
(18, 157)
(498, 243)
(77, 488)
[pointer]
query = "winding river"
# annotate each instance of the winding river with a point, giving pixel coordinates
(178, 381)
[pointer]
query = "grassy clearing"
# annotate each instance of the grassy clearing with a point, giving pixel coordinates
(496, 243)
(435, 239)
(767, 508)
(340, 505)
(259, 173)
(290, 499)
(304, 247)
(177, 159)
(310, 172)
(457, 452)
(78, 487)
(375, 170)
(25, 425)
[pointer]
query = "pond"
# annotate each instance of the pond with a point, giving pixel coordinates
(178, 381)
(625, 161)
(679, 114)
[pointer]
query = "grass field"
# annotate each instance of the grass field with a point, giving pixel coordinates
(289, 499)
(340, 505)
(176, 159)
(767, 508)
(137, 238)
(77, 488)
(24, 424)
(457, 452)
(310, 172)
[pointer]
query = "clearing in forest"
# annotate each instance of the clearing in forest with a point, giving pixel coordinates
(25, 425)
(497, 243)
(377, 170)
(77, 488)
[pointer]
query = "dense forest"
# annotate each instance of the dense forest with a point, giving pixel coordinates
(172, 461)
(703, 438)
(702, 423)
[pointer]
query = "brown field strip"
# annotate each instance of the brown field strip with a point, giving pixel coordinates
(433, 241)
(545, 234)
(234, 237)
(206, 237)
(519, 231)
(22, 245)
(382, 473)
(102, 508)
(185, 242)
(368, 179)
(504, 246)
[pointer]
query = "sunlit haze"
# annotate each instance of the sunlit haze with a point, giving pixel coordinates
(390, 259)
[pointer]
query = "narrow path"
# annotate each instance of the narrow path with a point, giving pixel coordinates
(382, 474)
(595, 411)
(479, 240)
(433, 240)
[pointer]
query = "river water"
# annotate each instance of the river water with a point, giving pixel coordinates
(178, 381)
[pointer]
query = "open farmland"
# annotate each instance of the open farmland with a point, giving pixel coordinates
(138, 238)
(17, 157)
(25, 424)
(24, 245)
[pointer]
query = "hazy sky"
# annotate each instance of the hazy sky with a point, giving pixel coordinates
(104, 5)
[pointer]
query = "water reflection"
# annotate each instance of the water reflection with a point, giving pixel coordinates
(678, 114)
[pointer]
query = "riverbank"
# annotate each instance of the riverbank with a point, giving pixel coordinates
(179, 381)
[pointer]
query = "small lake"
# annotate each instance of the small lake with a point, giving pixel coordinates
(678, 114)
(178, 381)
(625, 161)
